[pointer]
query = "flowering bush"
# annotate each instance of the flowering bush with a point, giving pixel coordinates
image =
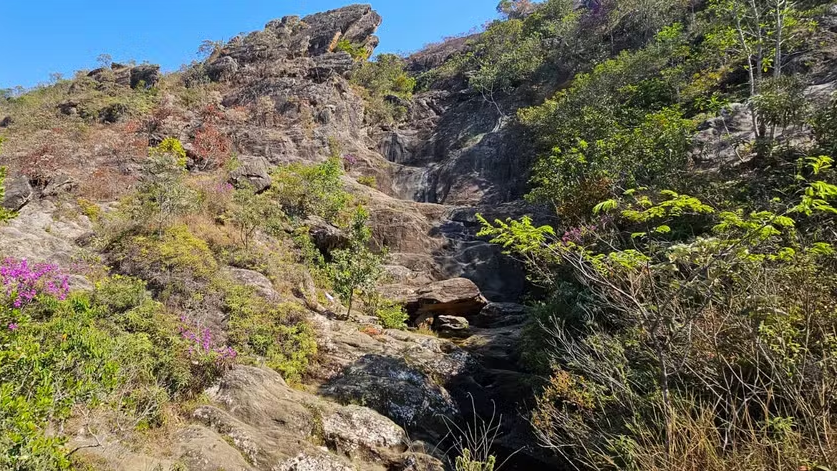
(201, 344)
(350, 160)
(23, 282)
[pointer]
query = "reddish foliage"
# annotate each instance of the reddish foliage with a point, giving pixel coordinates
(40, 164)
(372, 330)
(136, 141)
(211, 146)
(211, 114)
(105, 184)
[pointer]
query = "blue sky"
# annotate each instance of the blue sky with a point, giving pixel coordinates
(46, 36)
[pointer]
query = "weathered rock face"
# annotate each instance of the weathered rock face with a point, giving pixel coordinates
(326, 237)
(297, 84)
(251, 171)
(275, 425)
(38, 234)
(145, 75)
(394, 388)
(18, 193)
(452, 297)
(355, 23)
(257, 422)
(292, 38)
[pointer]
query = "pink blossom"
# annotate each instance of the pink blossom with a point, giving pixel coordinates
(203, 343)
(349, 159)
(23, 282)
(224, 188)
(13, 326)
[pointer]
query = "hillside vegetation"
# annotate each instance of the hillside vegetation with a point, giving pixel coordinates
(687, 315)
(244, 218)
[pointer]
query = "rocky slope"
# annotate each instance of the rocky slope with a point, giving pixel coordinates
(379, 399)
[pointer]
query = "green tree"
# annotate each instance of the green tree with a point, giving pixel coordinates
(303, 190)
(684, 295)
(760, 33)
(355, 268)
(162, 192)
(252, 211)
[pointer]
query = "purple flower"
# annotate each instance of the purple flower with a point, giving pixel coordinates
(349, 159)
(224, 188)
(13, 326)
(22, 282)
(203, 344)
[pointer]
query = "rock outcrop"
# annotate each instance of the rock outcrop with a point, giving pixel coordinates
(371, 388)
(251, 171)
(18, 193)
(145, 75)
(452, 297)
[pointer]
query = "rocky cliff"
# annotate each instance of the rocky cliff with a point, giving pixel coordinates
(378, 399)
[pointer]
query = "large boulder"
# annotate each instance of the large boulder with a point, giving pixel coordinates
(222, 69)
(724, 138)
(500, 315)
(145, 75)
(18, 193)
(252, 171)
(255, 280)
(453, 297)
(354, 23)
(58, 184)
(400, 374)
(269, 422)
(452, 326)
(326, 236)
(402, 392)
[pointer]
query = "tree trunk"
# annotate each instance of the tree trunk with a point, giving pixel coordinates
(777, 59)
(351, 298)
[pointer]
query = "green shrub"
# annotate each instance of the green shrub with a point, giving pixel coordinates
(311, 190)
(173, 147)
(392, 316)
(595, 165)
(382, 78)
(359, 52)
(356, 268)
(162, 193)
(251, 211)
(120, 293)
(368, 180)
(175, 262)
(46, 368)
(465, 462)
(276, 334)
(89, 209)
(675, 295)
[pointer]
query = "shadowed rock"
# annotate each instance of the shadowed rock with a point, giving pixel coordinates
(453, 297)
(252, 171)
(18, 193)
